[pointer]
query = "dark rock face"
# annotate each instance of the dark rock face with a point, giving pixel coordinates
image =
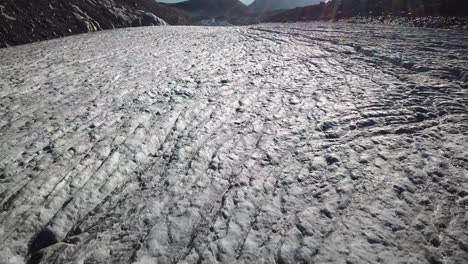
(347, 8)
(148, 19)
(271, 5)
(406, 11)
(24, 21)
(212, 8)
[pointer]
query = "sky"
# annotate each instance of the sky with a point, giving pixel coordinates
(247, 2)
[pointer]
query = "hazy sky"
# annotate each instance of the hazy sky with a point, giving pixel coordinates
(247, 2)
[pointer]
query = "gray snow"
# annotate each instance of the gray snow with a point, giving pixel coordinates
(276, 143)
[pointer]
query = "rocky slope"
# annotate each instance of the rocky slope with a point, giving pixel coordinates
(426, 21)
(296, 143)
(389, 10)
(261, 6)
(212, 8)
(24, 21)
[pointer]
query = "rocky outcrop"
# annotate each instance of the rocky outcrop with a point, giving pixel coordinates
(23, 21)
(85, 22)
(435, 13)
(148, 19)
(212, 8)
(260, 6)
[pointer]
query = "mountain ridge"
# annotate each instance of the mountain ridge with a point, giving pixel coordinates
(272, 5)
(338, 9)
(211, 8)
(24, 21)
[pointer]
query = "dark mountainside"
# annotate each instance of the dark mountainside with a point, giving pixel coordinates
(260, 6)
(212, 8)
(24, 21)
(339, 9)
